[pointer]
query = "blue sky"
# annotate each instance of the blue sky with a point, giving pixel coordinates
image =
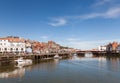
(83, 24)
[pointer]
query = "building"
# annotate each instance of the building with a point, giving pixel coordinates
(37, 47)
(42, 47)
(112, 47)
(53, 47)
(118, 49)
(102, 48)
(12, 44)
(28, 45)
(109, 47)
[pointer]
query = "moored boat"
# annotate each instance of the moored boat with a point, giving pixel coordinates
(24, 62)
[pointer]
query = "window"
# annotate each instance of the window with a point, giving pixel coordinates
(5, 49)
(12, 44)
(11, 49)
(18, 44)
(22, 49)
(16, 49)
(22, 45)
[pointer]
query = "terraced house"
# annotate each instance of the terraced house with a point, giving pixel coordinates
(12, 44)
(113, 47)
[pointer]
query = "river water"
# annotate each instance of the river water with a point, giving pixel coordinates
(73, 70)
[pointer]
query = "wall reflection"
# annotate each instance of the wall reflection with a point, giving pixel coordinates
(48, 65)
(19, 72)
(113, 64)
(102, 62)
(110, 63)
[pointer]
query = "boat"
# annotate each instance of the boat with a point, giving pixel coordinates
(57, 57)
(23, 62)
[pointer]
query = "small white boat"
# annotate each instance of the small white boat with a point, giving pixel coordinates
(24, 62)
(57, 57)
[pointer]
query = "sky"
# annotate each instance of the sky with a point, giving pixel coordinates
(81, 24)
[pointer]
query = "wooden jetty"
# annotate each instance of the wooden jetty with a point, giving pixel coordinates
(11, 57)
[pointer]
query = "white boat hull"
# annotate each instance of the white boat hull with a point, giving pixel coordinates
(23, 62)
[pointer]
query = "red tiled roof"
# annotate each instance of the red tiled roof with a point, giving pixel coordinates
(13, 39)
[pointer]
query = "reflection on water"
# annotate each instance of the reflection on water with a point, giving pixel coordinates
(48, 65)
(56, 61)
(114, 64)
(77, 69)
(88, 54)
(75, 57)
(9, 71)
(19, 70)
(13, 74)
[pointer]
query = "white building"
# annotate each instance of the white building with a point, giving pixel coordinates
(12, 44)
(102, 48)
(118, 48)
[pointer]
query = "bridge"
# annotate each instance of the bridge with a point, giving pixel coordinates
(96, 53)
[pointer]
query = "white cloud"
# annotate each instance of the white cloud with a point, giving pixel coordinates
(72, 39)
(44, 37)
(92, 15)
(86, 45)
(102, 2)
(111, 13)
(56, 22)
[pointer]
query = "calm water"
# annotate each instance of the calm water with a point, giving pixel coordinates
(74, 70)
